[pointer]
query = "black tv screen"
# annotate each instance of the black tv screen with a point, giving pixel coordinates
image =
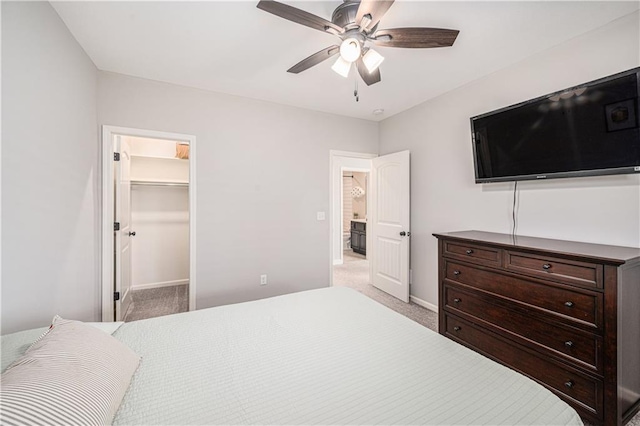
(591, 129)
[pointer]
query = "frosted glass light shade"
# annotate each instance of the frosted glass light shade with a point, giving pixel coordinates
(372, 60)
(350, 49)
(342, 67)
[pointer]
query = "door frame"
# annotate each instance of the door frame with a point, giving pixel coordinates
(336, 158)
(107, 214)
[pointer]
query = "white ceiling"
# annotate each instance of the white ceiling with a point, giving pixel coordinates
(233, 47)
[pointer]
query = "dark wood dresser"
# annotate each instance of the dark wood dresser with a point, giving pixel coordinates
(566, 314)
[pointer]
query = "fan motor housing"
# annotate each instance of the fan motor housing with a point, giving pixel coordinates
(345, 14)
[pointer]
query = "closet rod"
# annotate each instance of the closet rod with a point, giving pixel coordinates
(145, 183)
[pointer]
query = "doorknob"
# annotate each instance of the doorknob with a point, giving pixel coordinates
(402, 234)
(132, 234)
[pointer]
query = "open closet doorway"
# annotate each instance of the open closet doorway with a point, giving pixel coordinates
(148, 263)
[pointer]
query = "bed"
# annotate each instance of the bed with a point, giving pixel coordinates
(328, 356)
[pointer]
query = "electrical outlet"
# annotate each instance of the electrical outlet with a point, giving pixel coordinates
(263, 279)
(320, 216)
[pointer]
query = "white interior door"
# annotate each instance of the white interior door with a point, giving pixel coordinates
(123, 235)
(389, 227)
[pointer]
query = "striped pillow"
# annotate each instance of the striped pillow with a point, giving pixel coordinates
(73, 374)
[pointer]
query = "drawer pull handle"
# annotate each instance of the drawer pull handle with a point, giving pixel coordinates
(568, 304)
(569, 384)
(568, 344)
(456, 272)
(457, 300)
(546, 266)
(469, 251)
(456, 328)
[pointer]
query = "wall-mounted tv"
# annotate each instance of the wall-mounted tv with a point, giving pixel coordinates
(591, 129)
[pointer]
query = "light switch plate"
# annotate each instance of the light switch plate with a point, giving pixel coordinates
(320, 215)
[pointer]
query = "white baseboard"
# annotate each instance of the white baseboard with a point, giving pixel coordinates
(424, 304)
(158, 285)
(337, 261)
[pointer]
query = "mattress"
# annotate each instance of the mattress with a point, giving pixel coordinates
(329, 356)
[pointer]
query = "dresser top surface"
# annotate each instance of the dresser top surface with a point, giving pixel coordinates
(606, 253)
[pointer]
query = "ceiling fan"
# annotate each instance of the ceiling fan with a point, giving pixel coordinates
(356, 23)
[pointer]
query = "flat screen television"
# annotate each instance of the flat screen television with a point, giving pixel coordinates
(591, 129)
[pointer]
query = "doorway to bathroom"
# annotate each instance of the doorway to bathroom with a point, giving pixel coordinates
(350, 201)
(354, 271)
(370, 224)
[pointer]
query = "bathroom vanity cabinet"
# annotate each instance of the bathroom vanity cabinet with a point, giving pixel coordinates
(359, 236)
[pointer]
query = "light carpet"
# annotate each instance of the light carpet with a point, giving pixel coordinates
(354, 273)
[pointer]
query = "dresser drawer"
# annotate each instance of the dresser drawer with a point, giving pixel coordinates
(573, 345)
(473, 253)
(578, 389)
(554, 268)
(581, 305)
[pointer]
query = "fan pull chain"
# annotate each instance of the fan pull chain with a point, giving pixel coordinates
(355, 90)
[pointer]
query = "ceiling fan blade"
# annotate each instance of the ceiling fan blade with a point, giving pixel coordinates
(314, 59)
(415, 37)
(368, 77)
(375, 8)
(298, 16)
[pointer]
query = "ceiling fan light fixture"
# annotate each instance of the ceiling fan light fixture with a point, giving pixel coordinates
(355, 22)
(372, 60)
(350, 49)
(342, 67)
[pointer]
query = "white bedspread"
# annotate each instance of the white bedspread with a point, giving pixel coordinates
(329, 356)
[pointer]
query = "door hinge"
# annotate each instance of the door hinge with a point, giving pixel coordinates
(116, 156)
(116, 226)
(116, 295)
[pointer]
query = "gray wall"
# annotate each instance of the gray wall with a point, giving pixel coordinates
(49, 171)
(262, 174)
(444, 196)
(263, 171)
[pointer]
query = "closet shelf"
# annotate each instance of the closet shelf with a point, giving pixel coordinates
(157, 157)
(158, 183)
